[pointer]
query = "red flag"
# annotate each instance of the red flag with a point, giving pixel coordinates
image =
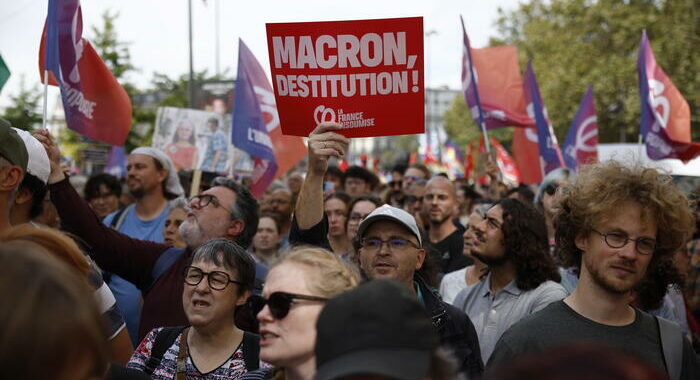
(469, 161)
(482, 179)
(505, 163)
(94, 103)
(527, 155)
(498, 95)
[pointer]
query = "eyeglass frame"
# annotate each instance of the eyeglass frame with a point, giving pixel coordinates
(208, 276)
(551, 188)
(213, 199)
(257, 303)
(627, 240)
(387, 242)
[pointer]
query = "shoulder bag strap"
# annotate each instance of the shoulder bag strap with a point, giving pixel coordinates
(182, 356)
(164, 339)
(251, 350)
(672, 347)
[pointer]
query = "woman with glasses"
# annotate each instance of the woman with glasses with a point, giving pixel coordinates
(545, 200)
(219, 279)
(296, 290)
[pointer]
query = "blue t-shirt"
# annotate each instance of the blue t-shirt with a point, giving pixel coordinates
(129, 296)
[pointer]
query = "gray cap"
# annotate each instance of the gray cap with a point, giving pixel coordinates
(393, 214)
(12, 147)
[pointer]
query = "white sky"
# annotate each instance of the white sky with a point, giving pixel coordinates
(157, 31)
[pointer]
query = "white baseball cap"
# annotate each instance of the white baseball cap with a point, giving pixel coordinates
(38, 164)
(393, 214)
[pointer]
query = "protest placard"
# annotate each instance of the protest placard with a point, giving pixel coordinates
(195, 139)
(366, 75)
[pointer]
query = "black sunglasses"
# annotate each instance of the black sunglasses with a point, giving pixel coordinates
(279, 303)
(551, 188)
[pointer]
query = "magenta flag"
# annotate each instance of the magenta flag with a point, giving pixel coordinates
(665, 115)
(550, 154)
(581, 144)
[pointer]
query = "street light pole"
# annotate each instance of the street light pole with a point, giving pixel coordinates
(190, 82)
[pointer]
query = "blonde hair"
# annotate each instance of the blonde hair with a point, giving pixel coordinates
(330, 274)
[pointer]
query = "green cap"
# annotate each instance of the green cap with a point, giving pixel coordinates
(12, 147)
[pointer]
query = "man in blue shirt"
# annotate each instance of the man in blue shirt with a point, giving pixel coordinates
(153, 182)
(216, 155)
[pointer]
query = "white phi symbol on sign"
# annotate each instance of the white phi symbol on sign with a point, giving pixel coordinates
(323, 114)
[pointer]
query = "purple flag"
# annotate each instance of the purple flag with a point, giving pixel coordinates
(249, 130)
(581, 144)
(116, 163)
(550, 154)
(665, 115)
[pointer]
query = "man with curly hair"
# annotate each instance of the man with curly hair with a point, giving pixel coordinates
(616, 225)
(522, 278)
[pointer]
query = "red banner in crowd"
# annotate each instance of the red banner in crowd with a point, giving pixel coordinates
(527, 155)
(366, 75)
(95, 104)
(505, 162)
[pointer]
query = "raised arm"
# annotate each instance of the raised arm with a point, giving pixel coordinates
(129, 258)
(324, 143)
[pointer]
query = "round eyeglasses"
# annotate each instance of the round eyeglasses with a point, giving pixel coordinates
(614, 239)
(217, 280)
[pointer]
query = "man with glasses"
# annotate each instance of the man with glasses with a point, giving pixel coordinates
(616, 224)
(522, 277)
(226, 210)
(391, 247)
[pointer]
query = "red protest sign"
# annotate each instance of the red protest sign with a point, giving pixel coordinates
(366, 75)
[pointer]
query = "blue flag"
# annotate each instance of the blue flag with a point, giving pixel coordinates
(550, 154)
(249, 130)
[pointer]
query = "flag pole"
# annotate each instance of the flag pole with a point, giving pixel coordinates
(482, 123)
(639, 146)
(46, 94)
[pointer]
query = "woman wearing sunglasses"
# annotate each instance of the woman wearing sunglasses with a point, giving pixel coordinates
(295, 291)
(545, 200)
(219, 278)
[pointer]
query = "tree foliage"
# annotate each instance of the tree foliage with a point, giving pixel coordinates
(25, 111)
(576, 42)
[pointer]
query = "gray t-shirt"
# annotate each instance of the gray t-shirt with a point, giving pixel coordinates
(558, 324)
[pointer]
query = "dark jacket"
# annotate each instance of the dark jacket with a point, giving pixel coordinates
(456, 331)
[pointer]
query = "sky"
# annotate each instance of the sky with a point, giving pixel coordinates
(156, 31)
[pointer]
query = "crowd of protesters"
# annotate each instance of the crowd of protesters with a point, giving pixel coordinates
(343, 274)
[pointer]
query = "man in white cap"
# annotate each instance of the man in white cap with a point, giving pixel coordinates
(153, 182)
(390, 247)
(29, 202)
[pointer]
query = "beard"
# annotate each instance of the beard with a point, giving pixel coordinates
(491, 261)
(599, 278)
(195, 234)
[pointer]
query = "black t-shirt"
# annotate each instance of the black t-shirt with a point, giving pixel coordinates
(558, 324)
(449, 252)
